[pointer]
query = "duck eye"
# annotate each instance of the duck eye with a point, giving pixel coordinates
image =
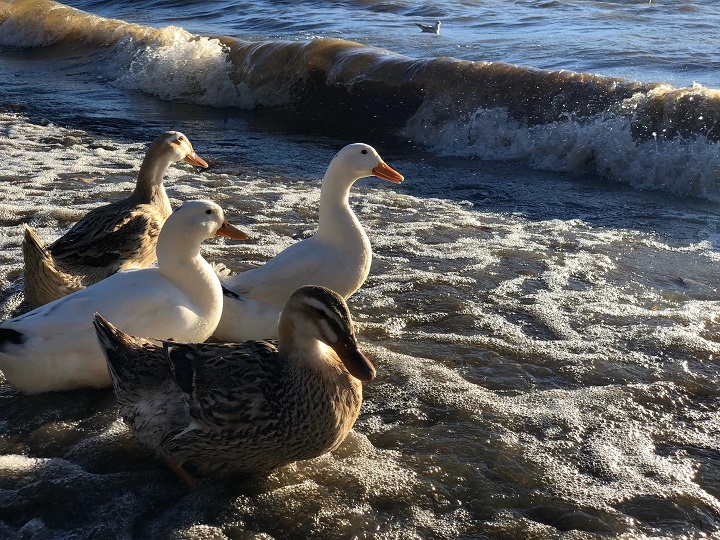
(181, 138)
(208, 211)
(364, 151)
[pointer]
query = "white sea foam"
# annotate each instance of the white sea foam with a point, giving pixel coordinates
(601, 145)
(175, 65)
(536, 371)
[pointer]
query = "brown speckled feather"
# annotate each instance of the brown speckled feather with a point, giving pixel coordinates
(244, 407)
(228, 384)
(111, 238)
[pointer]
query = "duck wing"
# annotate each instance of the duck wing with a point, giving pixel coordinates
(106, 237)
(304, 263)
(228, 385)
(131, 300)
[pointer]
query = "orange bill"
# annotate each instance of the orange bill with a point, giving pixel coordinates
(196, 160)
(384, 171)
(230, 231)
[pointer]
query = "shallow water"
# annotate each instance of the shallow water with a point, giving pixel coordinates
(546, 341)
(545, 362)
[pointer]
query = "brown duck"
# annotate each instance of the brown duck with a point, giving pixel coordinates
(111, 238)
(244, 407)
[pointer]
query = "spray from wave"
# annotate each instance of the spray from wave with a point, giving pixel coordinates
(648, 135)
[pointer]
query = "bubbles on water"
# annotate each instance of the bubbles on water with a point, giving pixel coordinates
(536, 374)
(605, 145)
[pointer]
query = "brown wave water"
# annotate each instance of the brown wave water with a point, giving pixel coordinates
(347, 79)
(649, 135)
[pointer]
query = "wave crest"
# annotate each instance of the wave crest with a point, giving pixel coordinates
(649, 135)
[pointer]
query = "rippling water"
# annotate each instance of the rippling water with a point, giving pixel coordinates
(542, 305)
(659, 41)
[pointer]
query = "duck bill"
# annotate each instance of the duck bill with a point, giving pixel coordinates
(230, 231)
(355, 362)
(196, 160)
(384, 171)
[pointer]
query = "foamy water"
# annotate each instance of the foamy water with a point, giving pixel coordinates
(541, 309)
(538, 371)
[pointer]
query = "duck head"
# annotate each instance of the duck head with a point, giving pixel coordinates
(359, 160)
(168, 148)
(180, 147)
(315, 312)
(199, 220)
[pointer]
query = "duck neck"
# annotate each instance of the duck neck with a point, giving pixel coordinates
(181, 261)
(287, 339)
(337, 221)
(302, 348)
(336, 395)
(149, 188)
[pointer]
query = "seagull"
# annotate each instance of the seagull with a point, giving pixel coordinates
(430, 29)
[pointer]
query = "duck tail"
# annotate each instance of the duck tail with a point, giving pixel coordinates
(44, 280)
(134, 364)
(116, 346)
(32, 241)
(8, 336)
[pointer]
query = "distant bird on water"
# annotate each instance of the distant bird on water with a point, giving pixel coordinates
(430, 28)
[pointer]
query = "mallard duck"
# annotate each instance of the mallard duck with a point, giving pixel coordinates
(54, 346)
(110, 238)
(338, 256)
(226, 408)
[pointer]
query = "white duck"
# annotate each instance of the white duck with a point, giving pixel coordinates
(54, 346)
(338, 256)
